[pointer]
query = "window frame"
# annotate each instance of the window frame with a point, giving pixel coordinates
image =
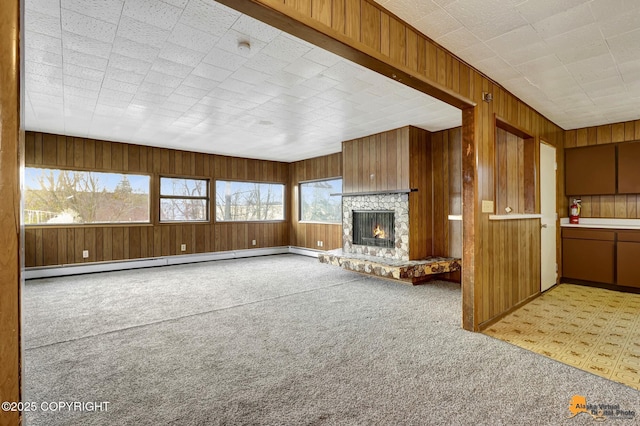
(284, 201)
(207, 198)
(150, 196)
(300, 219)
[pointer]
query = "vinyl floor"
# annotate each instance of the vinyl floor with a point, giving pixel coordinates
(592, 329)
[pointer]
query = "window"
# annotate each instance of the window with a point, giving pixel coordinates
(54, 197)
(249, 201)
(317, 204)
(184, 200)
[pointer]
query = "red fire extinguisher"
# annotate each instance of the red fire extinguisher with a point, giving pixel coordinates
(574, 211)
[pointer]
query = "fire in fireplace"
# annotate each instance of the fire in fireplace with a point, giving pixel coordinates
(374, 228)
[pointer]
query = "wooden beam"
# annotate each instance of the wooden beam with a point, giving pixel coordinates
(11, 137)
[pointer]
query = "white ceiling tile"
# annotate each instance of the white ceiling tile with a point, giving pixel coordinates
(150, 99)
(211, 72)
(231, 39)
(224, 59)
(46, 7)
(181, 55)
(192, 38)
(86, 45)
(320, 83)
(172, 68)
(208, 16)
(182, 100)
(625, 47)
(43, 69)
(537, 10)
(192, 92)
(249, 76)
(437, 24)
(129, 64)
(154, 89)
(305, 68)
(83, 72)
(539, 65)
(458, 40)
(135, 50)
(265, 64)
(200, 82)
(34, 40)
(142, 32)
(254, 29)
(119, 86)
(162, 79)
(43, 23)
(124, 76)
(83, 83)
(285, 79)
(607, 9)
(37, 88)
(476, 53)
(85, 60)
(410, 9)
(105, 10)
(565, 21)
(109, 95)
(579, 44)
(627, 22)
(86, 26)
(344, 70)
(285, 49)
(153, 12)
(234, 85)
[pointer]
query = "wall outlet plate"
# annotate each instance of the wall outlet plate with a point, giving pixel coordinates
(183, 247)
(85, 254)
(253, 242)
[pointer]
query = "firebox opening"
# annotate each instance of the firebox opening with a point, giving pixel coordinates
(374, 228)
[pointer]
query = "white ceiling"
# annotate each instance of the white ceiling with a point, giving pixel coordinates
(169, 73)
(575, 61)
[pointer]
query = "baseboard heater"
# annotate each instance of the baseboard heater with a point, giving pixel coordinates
(89, 268)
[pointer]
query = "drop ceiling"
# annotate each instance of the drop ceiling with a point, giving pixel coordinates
(170, 73)
(575, 61)
(179, 74)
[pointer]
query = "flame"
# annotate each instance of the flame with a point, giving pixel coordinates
(379, 232)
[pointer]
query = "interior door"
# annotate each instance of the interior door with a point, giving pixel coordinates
(548, 223)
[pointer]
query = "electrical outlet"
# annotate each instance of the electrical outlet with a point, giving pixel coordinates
(85, 254)
(253, 242)
(321, 243)
(183, 247)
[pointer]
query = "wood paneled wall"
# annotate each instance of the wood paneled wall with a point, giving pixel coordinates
(609, 206)
(363, 31)
(378, 162)
(446, 147)
(46, 245)
(308, 234)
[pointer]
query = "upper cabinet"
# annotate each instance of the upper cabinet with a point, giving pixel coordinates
(591, 170)
(629, 168)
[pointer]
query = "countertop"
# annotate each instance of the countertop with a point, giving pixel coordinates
(603, 223)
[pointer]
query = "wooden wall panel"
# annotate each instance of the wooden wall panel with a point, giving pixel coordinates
(377, 162)
(606, 206)
(47, 246)
(446, 148)
(308, 234)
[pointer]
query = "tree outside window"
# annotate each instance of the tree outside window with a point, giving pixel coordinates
(249, 201)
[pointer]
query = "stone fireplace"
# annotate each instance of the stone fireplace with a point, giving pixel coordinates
(365, 215)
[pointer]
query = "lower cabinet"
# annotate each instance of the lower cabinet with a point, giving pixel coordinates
(589, 255)
(628, 259)
(605, 256)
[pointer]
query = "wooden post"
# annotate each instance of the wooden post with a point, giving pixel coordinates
(10, 154)
(469, 219)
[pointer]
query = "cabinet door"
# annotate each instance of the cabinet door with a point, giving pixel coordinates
(628, 264)
(589, 260)
(590, 170)
(628, 169)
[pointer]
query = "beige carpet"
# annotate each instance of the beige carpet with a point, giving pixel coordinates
(593, 329)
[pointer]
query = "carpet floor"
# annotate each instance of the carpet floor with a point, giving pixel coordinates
(593, 329)
(282, 340)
